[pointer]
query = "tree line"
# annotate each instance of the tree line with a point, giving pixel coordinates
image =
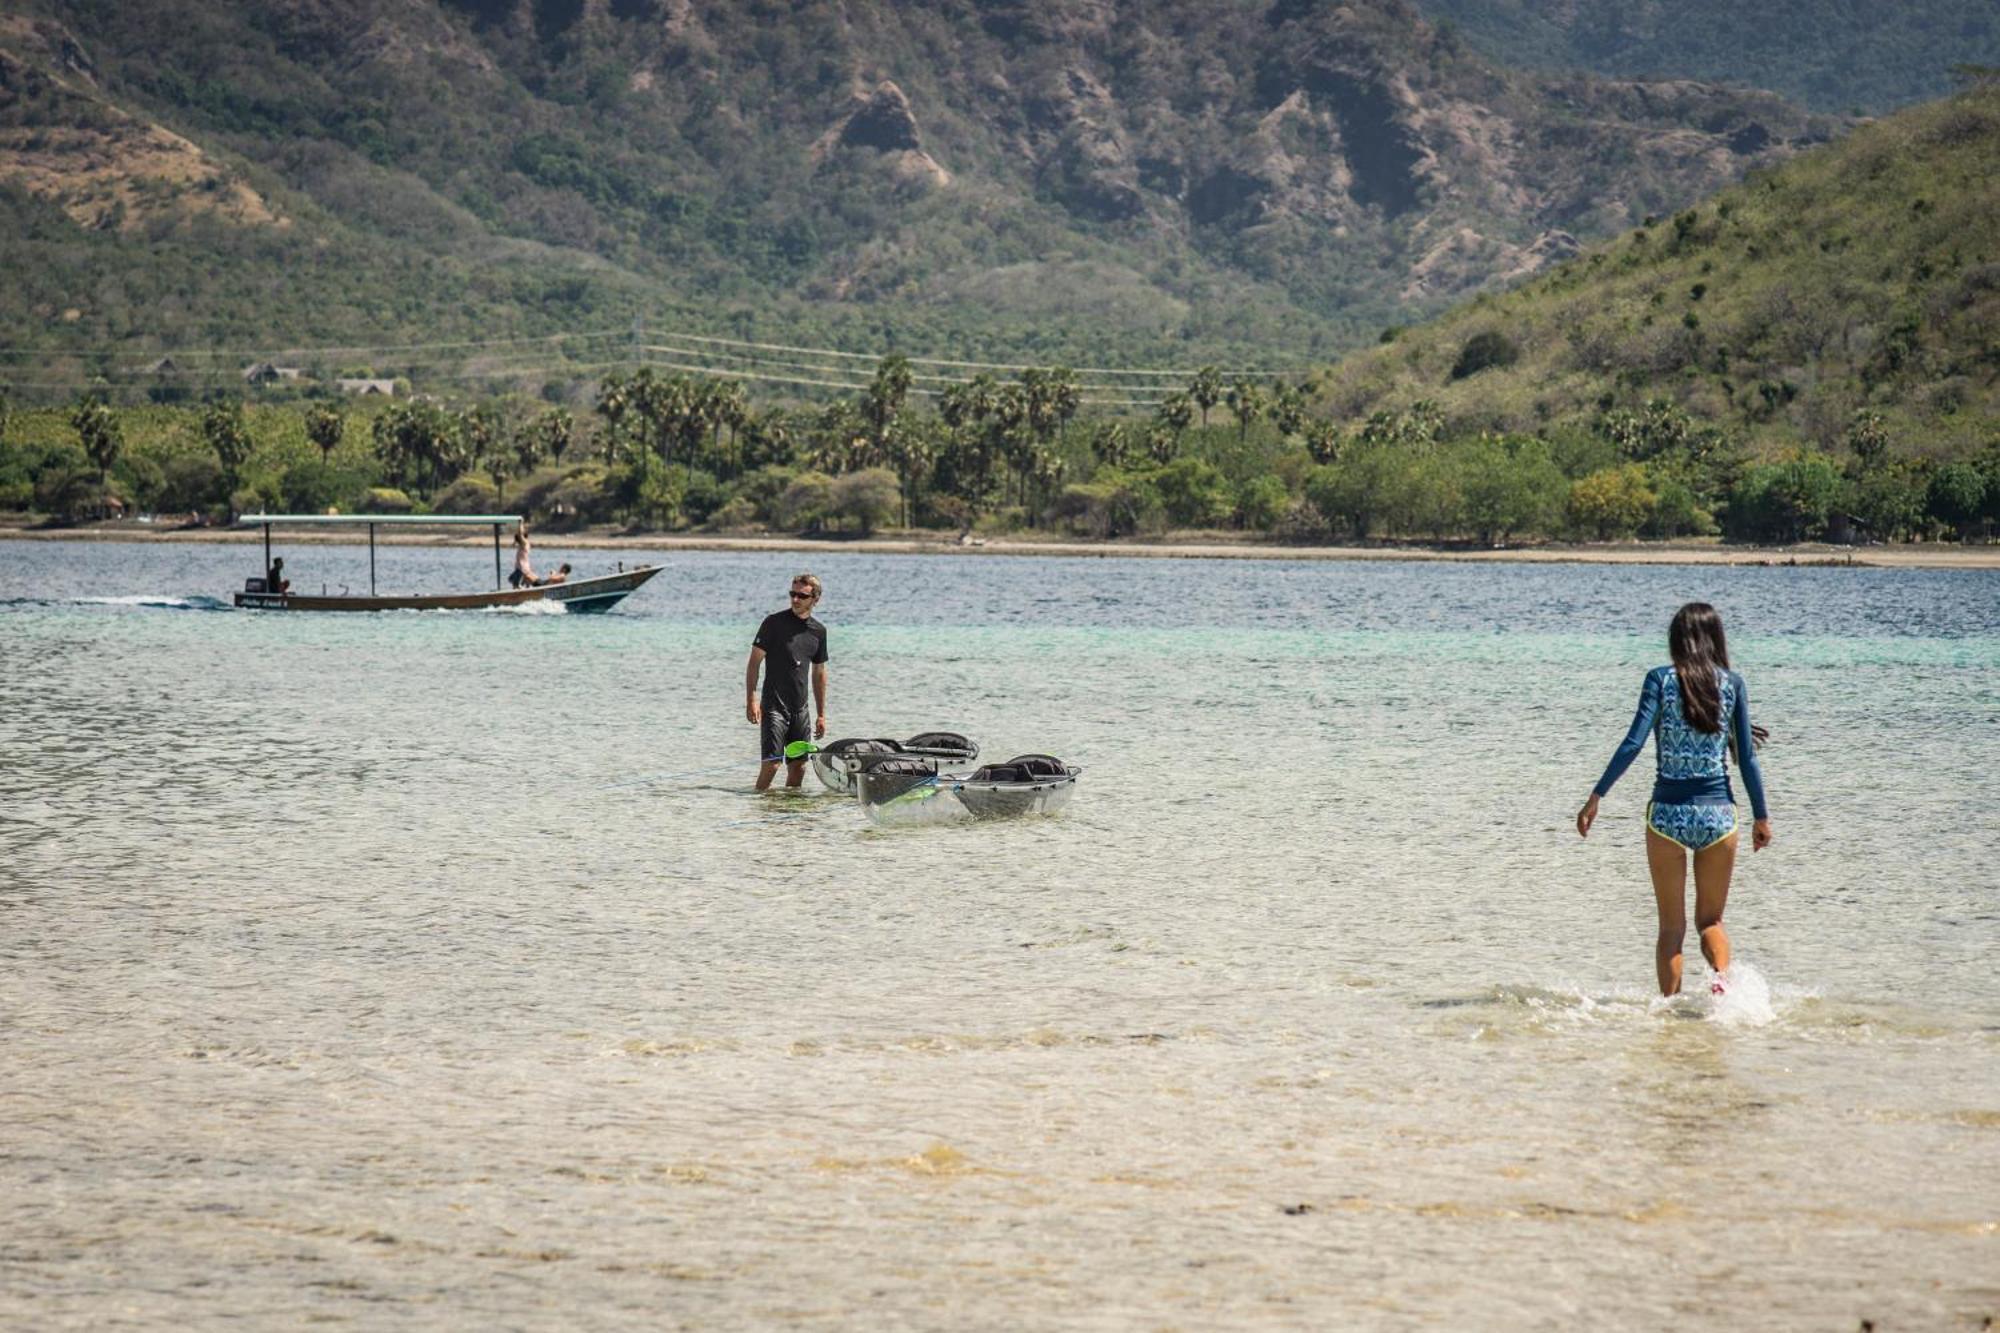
(656, 452)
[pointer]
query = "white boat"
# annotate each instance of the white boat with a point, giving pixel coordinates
(599, 592)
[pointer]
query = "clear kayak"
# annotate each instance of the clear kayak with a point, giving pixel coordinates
(898, 791)
(838, 762)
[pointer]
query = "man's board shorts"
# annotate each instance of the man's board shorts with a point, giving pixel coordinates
(780, 729)
(1694, 826)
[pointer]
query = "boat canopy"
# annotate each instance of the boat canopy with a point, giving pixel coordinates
(331, 520)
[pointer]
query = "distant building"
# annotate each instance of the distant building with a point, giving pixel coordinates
(386, 388)
(264, 372)
(165, 366)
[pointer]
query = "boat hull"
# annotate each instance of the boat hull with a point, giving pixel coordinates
(949, 800)
(584, 596)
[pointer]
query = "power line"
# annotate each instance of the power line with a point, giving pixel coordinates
(971, 365)
(302, 351)
(268, 352)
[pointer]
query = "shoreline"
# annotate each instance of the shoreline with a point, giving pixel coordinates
(1928, 555)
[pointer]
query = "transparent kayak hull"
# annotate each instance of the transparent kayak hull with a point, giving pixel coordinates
(838, 762)
(946, 799)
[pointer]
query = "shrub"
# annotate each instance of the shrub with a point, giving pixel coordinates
(580, 496)
(765, 487)
(470, 494)
(385, 500)
(1194, 493)
(807, 501)
(701, 495)
(1114, 504)
(738, 514)
(1612, 502)
(313, 487)
(1677, 511)
(1261, 502)
(1483, 351)
(1889, 500)
(1509, 486)
(1789, 501)
(190, 484)
(868, 497)
(1956, 495)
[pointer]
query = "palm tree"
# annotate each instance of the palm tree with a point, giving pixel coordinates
(103, 439)
(1206, 390)
(552, 433)
(971, 401)
(1246, 401)
(1323, 440)
(324, 427)
(1112, 444)
(730, 406)
(887, 393)
(1065, 398)
(913, 449)
(222, 426)
(1176, 412)
(1288, 408)
(614, 405)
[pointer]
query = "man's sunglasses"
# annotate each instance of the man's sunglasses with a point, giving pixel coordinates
(808, 594)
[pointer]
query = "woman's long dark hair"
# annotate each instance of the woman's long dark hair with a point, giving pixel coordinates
(1701, 655)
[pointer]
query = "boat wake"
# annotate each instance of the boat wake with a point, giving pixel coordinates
(150, 601)
(540, 608)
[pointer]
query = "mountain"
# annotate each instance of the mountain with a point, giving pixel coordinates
(1056, 179)
(1834, 55)
(1857, 283)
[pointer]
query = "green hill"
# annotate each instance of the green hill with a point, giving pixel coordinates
(1172, 179)
(1831, 54)
(1844, 307)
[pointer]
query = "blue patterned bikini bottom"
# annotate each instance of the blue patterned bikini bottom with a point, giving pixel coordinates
(1692, 826)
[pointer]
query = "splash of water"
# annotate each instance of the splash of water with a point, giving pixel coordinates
(1744, 1000)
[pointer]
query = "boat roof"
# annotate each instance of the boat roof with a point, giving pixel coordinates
(334, 520)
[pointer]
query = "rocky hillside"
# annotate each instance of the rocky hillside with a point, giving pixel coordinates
(1049, 177)
(1832, 54)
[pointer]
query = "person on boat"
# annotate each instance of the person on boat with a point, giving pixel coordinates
(560, 576)
(1696, 710)
(274, 577)
(789, 645)
(524, 569)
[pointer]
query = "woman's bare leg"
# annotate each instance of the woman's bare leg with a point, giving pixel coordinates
(1667, 862)
(1713, 867)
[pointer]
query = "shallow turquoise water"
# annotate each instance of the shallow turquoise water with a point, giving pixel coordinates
(347, 972)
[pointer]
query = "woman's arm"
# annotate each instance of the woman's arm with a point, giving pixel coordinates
(1753, 772)
(1635, 737)
(1628, 750)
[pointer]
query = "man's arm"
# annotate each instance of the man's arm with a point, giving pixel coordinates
(750, 708)
(819, 699)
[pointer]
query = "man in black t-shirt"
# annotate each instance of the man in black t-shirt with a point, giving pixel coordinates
(793, 643)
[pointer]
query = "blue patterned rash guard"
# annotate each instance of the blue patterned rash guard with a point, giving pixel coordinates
(1693, 765)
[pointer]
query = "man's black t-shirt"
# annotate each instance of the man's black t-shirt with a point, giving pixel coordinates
(790, 647)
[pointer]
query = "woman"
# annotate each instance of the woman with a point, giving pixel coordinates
(1697, 710)
(524, 572)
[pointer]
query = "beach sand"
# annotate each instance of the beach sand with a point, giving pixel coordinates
(1192, 546)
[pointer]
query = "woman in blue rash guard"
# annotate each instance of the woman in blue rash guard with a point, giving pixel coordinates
(1696, 710)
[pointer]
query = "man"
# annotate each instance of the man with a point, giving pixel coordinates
(794, 643)
(274, 577)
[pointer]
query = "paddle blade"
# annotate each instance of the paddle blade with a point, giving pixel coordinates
(800, 749)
